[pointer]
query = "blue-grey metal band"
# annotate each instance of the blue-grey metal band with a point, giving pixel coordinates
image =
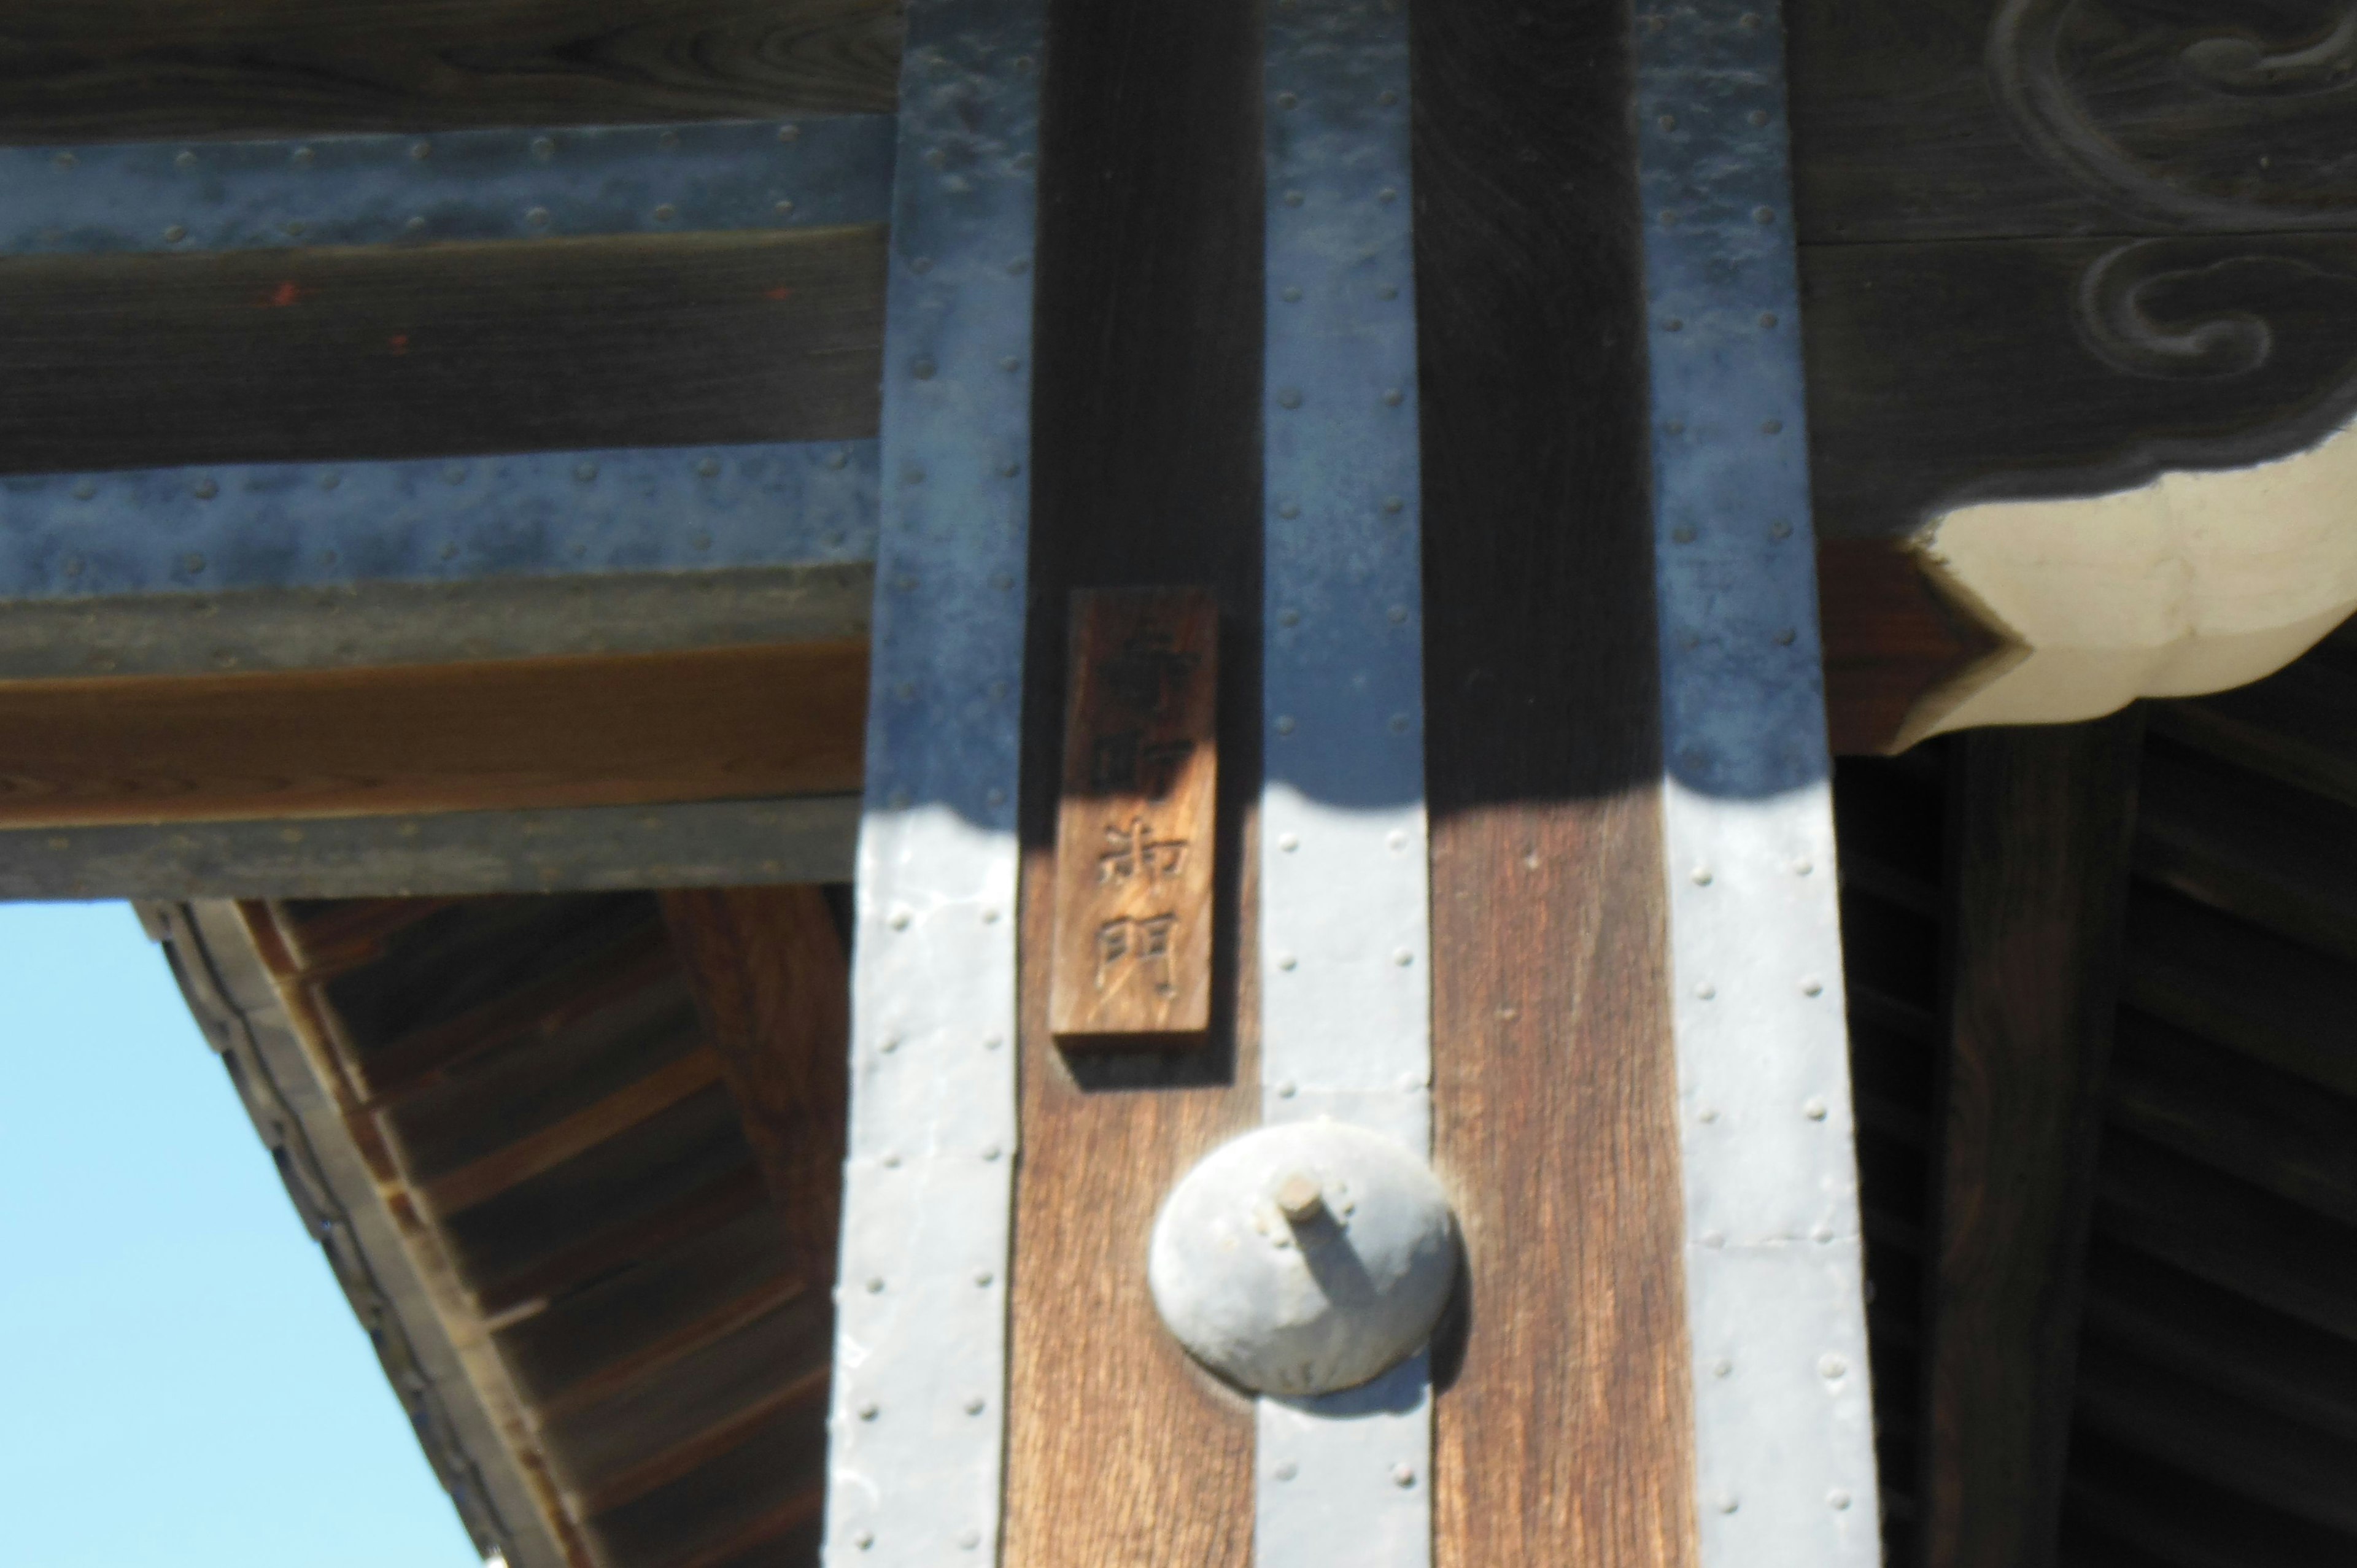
(1783, 1418)
(917, 1456)
(1345, 933)
(454, 185)
(315, 525)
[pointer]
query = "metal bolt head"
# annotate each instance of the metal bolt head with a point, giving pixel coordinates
(1403, 1474)
(1832, 1367)
(1299, 1198)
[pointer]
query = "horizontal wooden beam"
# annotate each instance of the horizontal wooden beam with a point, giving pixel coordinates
(709, 725)
(131, 68)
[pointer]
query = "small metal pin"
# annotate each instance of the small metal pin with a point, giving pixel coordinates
(1300, 1198)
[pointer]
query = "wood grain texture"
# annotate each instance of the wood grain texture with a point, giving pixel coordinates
(1564, 1435)
(103, 70)
(1135, 824)
(1146, 461)
(1944, 374)
(1890, 640)
(404, 351)
(2042, 826)
(715, 724)
(772, 981)
(1902, 128)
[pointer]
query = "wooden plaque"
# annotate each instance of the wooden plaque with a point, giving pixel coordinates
(1133, 946)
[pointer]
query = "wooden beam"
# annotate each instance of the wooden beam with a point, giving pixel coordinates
(1147, 472)
(400, 351)
(1565, 1433)
(772, 981)
(710, 725)
(2042, 822)
(113, 69)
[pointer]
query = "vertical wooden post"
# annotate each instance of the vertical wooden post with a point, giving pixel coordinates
(2042, 831)
(1566, 1433)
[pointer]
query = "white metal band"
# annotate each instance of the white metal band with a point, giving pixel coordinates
(917, 1458)
(1784, 1416)
(1346, 1001)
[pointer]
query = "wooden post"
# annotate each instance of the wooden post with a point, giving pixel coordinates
(2042, 822)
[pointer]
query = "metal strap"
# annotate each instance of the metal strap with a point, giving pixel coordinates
(1346, 1008)
(915, 1468)
(1783, 1417)
(454, 185)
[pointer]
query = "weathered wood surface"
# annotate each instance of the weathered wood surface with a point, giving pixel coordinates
(1146, 471)
(395, 351)
(772, 981)
(2043, 824)
(1135, 824)
(118, 69)
(1928, 120)
(709, 725)
(1564, 1422)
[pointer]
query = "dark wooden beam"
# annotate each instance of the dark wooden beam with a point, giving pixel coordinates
(772, 981)
(2042, 824)
(1565, 1435)
(1146, 472)
(636, 730)
(105, 69)
(438, 350)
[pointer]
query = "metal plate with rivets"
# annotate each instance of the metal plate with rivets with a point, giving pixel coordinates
(454, 185)
(1346, 1009)
(917, 1451)
(234, 526)
(1784, 1421)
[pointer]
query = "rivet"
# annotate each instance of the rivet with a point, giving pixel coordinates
(292, 228)
(1727, 1502)
(998, 690)
(992, 1152)
(668, 141)
(1411, 1082)
(1010, 364)
(184, 162)
(891, 1045)
(1673, 325)
(1823, 1233)
(867, 1411)
(922, 370)
(1669, 122)
(904, 582)
(982, 1278)
(974, 1406)
(1705, 991)
(1832, 1367)
(1285, 724)
(1018, 266)
(1403, 1474)
(1290, 294)
(206, 489)
(1387, 98)
(906, 691)
(707, 467)
(1288, 397)
(1837, 1500)
(1286, 1089)
(1701, 875)
(665, 212)
(1675, 427)
(1682, 533)
(1403, 958)
(1802, 866)
(1394, 504)
(1759, 116)
(1785, 638)
(1397, 841)
(455, 474)
(838, 458)
(993, 1042)
(1288, 617)
(993, 796)
(1399, 724)
(1010, 468)
(1287, 961)
(450, 551)
(1286, 1471)
(1767, 318)
(1394, 397)
(901, 920)
(1772, 427)
(84, 489)
(864, 1538)
(1708, 1113)
(544, 147)
(1669, 220)
(784, 209)
(537, 217)
(1763, 215)
(174, 234)
(416, 223)
(1287, 101)
(1003, 581)
(892, 1162)
(922, 265)
(1722, 1367)
(936, 158)
(1289, 843)
(898, 800)
(1387, 196)
(330, 479)
(1714, 1238)
(1779, 529)
(1815, 1110)
(1812, 986)
(585, 472)
(1749, 22)
(194, 563)
(1289, 508)
(790, 133)
(1293, 199)
(421, 151)
(66, 160)
(1388, 291)
(969, 1539)
(1397, 615)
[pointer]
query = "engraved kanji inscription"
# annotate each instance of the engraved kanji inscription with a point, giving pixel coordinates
(1134, 872)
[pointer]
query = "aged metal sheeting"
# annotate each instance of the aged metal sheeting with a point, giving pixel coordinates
(917, 1454)
(183, 197)
(1784, 1421)
(1345, 943)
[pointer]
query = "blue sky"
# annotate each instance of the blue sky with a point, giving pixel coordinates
(181, 1380)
